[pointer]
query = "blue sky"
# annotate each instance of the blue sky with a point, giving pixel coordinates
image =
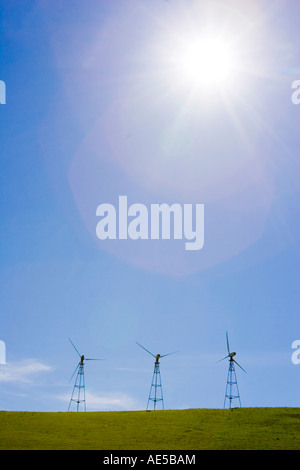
(98, 106)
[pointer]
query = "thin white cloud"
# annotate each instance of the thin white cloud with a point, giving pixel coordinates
(108, 401)
(22, 371)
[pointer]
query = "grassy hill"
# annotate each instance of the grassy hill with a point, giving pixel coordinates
(192, 429)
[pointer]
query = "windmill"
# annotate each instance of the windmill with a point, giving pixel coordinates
(232, 390)
(156, 393)
(78, 394)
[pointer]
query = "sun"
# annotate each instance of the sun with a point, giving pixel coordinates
(203, 61)
(209, 60)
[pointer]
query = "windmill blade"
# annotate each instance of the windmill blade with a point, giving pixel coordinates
(239, 365)
(223, 358)
(91, 359)
(145, 349)
(228, 349)
(75, 348)
(164, 355)
(74, 373)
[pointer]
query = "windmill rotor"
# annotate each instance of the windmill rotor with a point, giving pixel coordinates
(157, 356)
(231, 354)
(82, 357)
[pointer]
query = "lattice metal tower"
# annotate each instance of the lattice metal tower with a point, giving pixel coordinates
(232, 390)
(156, 393)
(78, 394)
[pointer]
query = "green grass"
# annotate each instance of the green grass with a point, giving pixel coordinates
(192, 429)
